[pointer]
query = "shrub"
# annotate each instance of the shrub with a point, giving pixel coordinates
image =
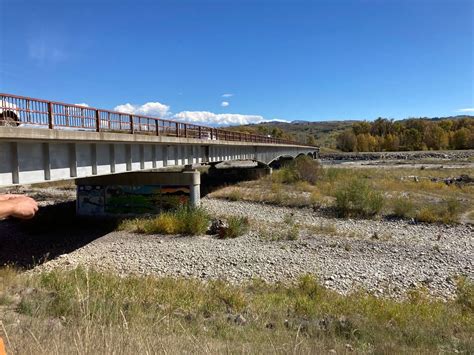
(235, 195)
(447, 211)
(427, 214)
(465, 294)
(184, 220)
(358, 199)
(286, 175)
(166, 223)
(193, 220)
(403, 207)
(237, 226)
(303, 168)
(307, 169)
(293, 232)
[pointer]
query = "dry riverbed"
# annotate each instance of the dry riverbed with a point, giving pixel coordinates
(383, 257)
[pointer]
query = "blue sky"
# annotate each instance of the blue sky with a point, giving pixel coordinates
(289, 60)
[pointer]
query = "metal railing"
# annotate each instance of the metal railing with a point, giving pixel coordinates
(26, 111)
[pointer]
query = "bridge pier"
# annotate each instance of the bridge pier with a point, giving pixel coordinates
(137, 193)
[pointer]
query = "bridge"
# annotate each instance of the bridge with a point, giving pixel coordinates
(44, 141)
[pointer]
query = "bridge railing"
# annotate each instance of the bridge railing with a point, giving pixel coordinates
(30, 112)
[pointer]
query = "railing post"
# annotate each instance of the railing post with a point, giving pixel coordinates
(131, 124)
(212, 134)
(177, 129)
(157, 126)
(97, 121)
(186, 130)
(200, 132)
(50, 115)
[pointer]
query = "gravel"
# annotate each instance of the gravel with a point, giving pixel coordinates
(384, 257)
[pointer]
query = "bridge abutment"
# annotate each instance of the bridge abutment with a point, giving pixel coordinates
(137, 193)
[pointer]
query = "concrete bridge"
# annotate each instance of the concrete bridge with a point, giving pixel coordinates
(48, 141)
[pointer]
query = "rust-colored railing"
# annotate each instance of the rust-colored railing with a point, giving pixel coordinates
(26, 111)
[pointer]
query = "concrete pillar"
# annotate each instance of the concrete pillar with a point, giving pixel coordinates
(134, 193)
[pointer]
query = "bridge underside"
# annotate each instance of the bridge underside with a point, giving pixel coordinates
(34, 155)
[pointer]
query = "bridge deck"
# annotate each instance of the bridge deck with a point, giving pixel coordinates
(70, 141)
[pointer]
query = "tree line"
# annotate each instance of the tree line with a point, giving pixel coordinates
(410, 134)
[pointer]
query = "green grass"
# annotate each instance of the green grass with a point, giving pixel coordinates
(103, 313)
(184, 220)
(236, 227)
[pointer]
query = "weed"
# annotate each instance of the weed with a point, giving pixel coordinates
(358, 199)
(446, 211)
(403, 207)
(184, 220)
(323, 228)
(293, 232)
(106, 313)
(235, 195)
(465, 294)
(289, 219)
(237, 226)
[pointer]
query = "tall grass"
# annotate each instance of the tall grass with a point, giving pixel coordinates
(447, 210)
(89, 312)
(184, 220)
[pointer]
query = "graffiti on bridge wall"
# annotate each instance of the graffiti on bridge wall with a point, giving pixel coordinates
(119, 199)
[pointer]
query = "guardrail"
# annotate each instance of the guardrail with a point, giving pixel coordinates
(20, 110)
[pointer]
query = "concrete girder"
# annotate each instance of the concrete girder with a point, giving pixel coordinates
(38, 155)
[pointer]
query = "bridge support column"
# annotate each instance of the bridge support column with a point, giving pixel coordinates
(137, 193)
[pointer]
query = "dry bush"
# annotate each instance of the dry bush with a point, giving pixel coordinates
(446, 211)
(302, 169)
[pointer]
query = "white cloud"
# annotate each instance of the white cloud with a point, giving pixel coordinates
(206, 117)
(227, 95)
(82, 104)
(158, 109)
(225, 103)
(149, 109)
(470, 109)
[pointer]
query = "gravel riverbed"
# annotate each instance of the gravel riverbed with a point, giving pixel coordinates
(383, 257)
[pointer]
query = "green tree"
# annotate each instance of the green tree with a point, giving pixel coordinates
(347, 141)
(412, 139)
(460, 139)
(435, 137)
(311, 140)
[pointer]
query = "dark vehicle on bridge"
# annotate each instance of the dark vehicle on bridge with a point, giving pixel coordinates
(8, 114)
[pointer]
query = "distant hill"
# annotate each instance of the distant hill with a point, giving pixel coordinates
(322, 133)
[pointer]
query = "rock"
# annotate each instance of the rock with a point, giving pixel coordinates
(408, 257)
(240, 320)
(218, 226)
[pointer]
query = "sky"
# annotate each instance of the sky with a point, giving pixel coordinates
(227, 62)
